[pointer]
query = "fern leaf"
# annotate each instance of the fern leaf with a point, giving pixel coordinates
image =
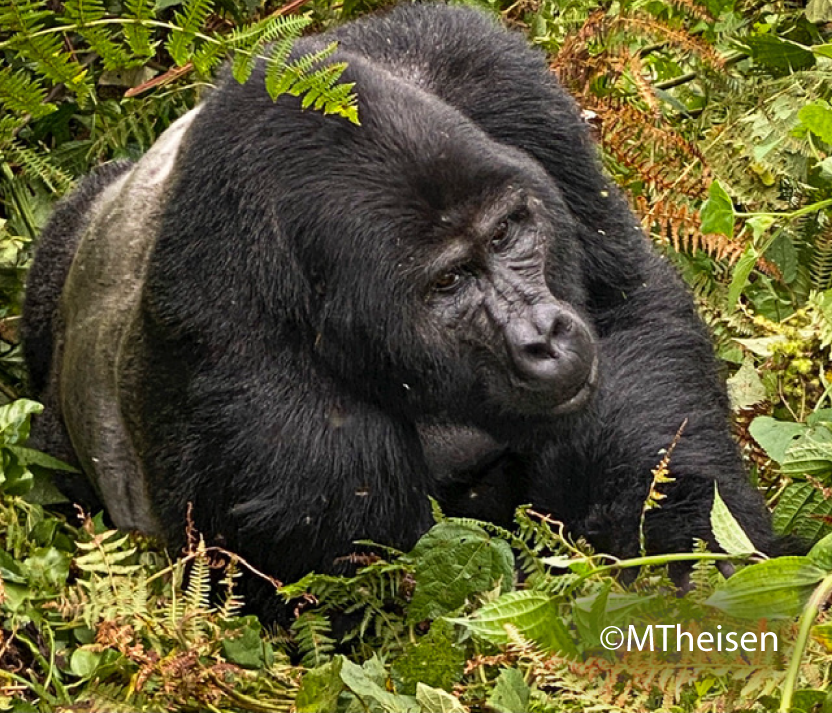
(23, 20)
(191, 21)
(313, 634)
(137, 35)
(821, 265)
(36, 163)
(23, 95)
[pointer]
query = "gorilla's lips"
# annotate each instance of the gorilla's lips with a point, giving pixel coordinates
(584, 393)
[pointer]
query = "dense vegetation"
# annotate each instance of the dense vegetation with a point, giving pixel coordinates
(715, 116)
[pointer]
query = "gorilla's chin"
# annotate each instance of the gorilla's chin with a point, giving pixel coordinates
(583, 396)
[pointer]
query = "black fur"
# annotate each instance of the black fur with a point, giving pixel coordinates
(294, 381)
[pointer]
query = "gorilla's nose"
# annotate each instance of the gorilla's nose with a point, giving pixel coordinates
(553, 347)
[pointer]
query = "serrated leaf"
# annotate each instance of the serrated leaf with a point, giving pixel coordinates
(745, 388)
(774, 589)
(534, 615)
(801, 511)
(454, 561)
(320, 688)
(717, 212)
(436, 700)
(511, 692)
(783, 253)
(727, 531)
(29, 456)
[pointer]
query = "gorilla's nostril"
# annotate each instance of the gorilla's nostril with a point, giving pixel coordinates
(561, 325)
(540, 350)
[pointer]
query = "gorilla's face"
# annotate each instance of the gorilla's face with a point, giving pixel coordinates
(451, 265)
(489, 303)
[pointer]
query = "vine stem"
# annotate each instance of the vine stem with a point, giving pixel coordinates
(807, 618)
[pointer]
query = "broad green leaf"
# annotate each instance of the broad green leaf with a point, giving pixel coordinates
(822, 50)
(817, 117)
(811, 455)
(47, 565)
(777, 53)
(534, 615)
(360, 681)
(10, 570)
(242, 643)
(84, 662)
(759, 224)
(739, 279)
(821, 553)
(511, 692)
(761, 346)
(777, 588)
(320, 688)
(14, 421)
(745, 388)
(775, 437)
(29, 456)
(717, 212)
(819, 11)
(453, 562)
(727, 531)
(436, 700)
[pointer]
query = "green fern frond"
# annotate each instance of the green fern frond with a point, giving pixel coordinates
(23, 20)
(137, 35)
(197, 594)
(9, 126)
(84, 14)
(190, 22)
(37, 164)
(821, 266)
(207, 56)
(317, 87)
(233, 602)
(313, 635)
(106, 554)
(248, 42)
(23, 95)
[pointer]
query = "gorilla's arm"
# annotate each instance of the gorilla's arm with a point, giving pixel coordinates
(282, 451)
(658, 373)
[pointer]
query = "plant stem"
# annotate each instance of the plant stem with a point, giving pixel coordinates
(655, 559)
(807, 618)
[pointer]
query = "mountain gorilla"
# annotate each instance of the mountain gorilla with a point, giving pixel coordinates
(305, 327)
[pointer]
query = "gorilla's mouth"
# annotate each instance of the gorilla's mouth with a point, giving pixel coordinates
(584, 393)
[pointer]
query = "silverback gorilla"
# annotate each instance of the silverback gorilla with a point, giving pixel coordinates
(306, 327)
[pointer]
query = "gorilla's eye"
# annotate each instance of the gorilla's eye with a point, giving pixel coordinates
(448, 282)
(500, 236)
